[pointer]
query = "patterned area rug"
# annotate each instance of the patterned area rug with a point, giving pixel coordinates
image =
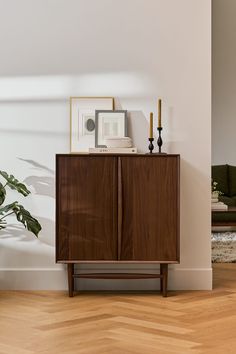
(223, 245)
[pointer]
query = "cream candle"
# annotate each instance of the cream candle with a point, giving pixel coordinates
(151, 126)
(159, 113)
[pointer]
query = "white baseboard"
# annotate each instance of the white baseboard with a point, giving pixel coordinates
(33, 279)
(56, 279)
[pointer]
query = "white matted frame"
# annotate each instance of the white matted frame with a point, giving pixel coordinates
(82, 120)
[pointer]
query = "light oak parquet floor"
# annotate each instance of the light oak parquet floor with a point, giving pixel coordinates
(190, 322)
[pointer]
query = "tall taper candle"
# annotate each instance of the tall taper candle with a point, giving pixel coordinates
(159, 113)
(151, 125)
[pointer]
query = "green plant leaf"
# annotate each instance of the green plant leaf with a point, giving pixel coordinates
(2, 193)
(22, 215)
(29, 222)
(13, 183)
(2, 224)
(7, 208)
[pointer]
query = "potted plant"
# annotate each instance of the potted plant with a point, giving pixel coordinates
(214, 192)
(15, 208)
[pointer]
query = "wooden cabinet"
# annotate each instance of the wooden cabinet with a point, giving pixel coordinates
(117, 209)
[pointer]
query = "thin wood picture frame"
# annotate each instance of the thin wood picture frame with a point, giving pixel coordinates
(82, 120)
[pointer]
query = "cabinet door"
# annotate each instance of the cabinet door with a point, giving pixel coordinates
(149, 225)
(86, 208)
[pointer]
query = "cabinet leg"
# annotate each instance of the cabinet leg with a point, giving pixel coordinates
(161, 279)
(165, 279)
(70, 270)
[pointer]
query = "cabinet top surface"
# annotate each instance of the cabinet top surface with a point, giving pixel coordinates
(133, 155)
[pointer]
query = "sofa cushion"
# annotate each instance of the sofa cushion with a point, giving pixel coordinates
(227, 200)
(219, 174)
(234, 200)
(222, 217)
(232, 180)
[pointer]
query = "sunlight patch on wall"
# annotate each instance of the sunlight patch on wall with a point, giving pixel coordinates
(123, 84)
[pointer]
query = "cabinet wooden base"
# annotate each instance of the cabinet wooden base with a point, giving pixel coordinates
(163, 276)
(70, 269)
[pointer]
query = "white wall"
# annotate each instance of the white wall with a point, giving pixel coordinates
(223, 82)
(134, 50)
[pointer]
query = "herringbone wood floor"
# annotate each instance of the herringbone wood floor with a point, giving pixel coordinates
(185, 323)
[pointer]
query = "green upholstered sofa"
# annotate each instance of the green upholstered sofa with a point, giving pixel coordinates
(225, 176)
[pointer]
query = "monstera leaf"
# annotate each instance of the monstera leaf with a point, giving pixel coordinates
(13, 183)
(2, 193)
(22, 215)
(7, 208)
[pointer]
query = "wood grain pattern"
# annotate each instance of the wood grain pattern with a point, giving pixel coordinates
(86, 208)
(150, 189)
(138, 195)
(120, 208)
(186, 322)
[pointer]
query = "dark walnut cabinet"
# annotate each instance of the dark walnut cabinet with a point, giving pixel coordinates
(117, 209)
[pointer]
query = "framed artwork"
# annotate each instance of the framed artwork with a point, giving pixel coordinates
(82, 120)
(109, 124)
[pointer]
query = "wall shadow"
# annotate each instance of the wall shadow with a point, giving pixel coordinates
(23, 235)
(138, 128)
(43, 186)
